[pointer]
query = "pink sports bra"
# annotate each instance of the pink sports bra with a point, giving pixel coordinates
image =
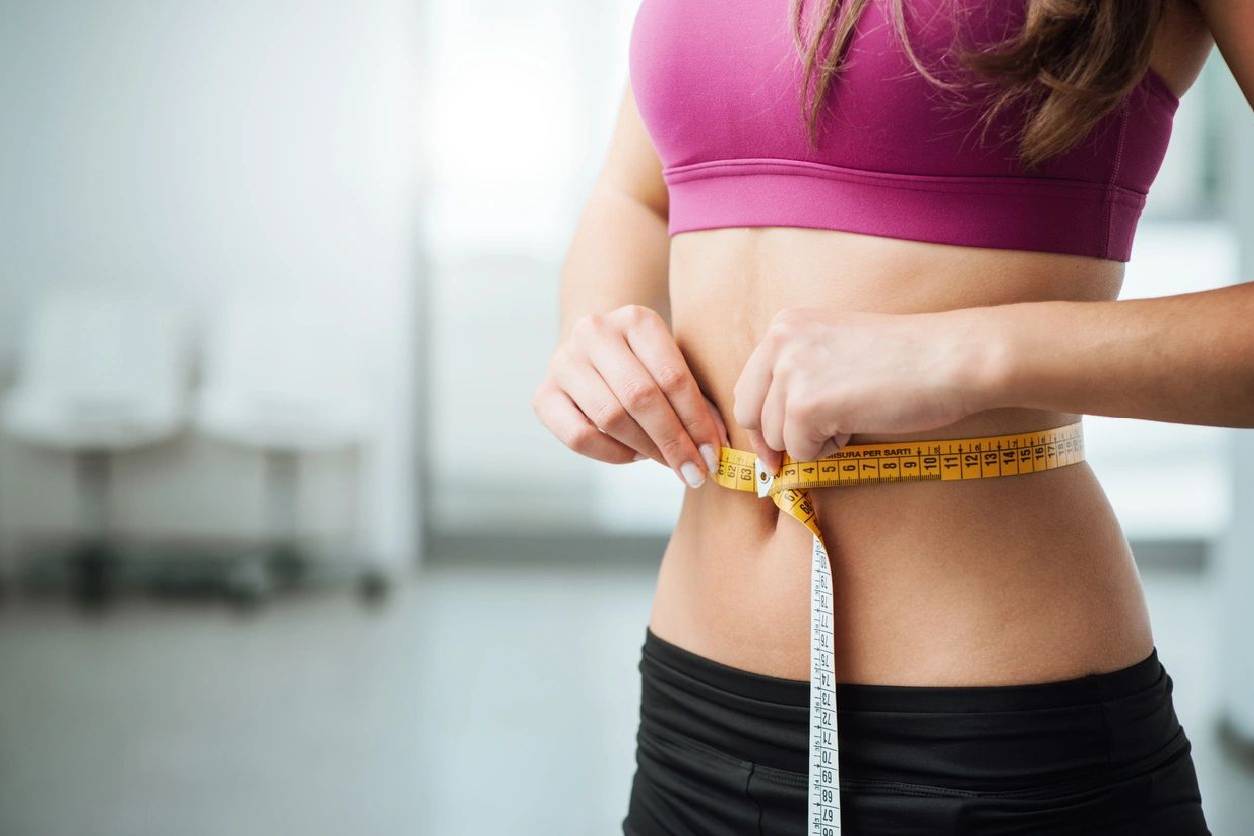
(717, 82)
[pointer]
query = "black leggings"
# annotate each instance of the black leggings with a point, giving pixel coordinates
(723, 751)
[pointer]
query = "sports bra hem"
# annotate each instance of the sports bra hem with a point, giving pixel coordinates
(1059, 216)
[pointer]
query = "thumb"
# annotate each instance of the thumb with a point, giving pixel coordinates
(718, 419)
(771, 458)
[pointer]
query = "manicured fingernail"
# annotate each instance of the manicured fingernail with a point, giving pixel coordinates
(707, 453)
(691, 475)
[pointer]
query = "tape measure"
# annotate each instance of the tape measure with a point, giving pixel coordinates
(944, 460)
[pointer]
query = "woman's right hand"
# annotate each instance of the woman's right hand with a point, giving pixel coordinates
(618, 389)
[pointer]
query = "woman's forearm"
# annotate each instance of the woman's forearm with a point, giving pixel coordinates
(1187, 358)
(618, 255)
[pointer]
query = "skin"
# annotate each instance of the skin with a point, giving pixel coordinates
(669, 344)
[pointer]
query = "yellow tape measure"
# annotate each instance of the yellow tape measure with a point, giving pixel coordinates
(944, 460)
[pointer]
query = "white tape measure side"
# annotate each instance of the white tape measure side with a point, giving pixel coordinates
(762, 478)
(824, 788)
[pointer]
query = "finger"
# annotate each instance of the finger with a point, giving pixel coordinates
(749, 393)
(558, 412)
(802, 439)
(594, 398)
(773, 414)
(805, 430)
(634, 387)
(654, 345)
(771, 459)
(723, 438)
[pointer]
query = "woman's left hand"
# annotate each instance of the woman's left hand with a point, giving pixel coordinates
(818, 377)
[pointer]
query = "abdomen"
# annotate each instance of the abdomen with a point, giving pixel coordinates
(1017, 579)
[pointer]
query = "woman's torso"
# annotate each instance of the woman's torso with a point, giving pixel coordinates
(1010, 580)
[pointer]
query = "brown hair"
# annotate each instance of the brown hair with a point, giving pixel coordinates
(1070, 64)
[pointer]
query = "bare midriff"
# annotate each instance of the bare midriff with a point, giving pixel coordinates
(1001, 581)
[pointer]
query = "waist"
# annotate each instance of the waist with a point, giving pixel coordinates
(991, 737)
(980, 582)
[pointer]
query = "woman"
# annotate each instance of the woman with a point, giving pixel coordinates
(900, 219)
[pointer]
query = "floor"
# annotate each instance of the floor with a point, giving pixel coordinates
(483, 698)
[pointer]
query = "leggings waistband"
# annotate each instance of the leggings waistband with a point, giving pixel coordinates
(1012, 735)
(962, 698)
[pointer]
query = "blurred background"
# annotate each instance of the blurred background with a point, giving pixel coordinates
(282, 546)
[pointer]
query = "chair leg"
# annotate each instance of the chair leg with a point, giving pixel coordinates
(247, 583)
(286, 561)
(94, 564)
(93, 569)
(373, 585)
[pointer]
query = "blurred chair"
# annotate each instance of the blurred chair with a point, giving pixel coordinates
(281, 375)
(98, 374)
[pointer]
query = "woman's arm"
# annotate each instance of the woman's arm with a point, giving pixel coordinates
(1187, 358)
(619, 254)
(819, 375)
(617, 387)
(1231, 22)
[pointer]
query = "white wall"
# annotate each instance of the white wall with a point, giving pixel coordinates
(196, 149)
(523, 99)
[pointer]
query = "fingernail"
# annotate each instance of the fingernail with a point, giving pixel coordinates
(638, 457)
(711, 460)
(691, 475)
